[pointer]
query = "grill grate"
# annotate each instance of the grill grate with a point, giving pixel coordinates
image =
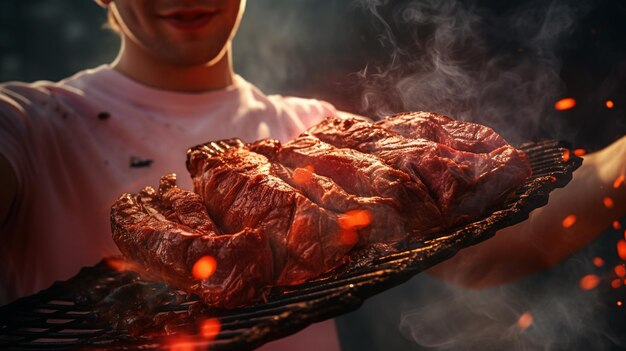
(103, 307)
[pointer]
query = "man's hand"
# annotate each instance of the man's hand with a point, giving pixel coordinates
(8, 188)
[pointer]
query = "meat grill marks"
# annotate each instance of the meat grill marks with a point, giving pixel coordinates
(240, 189)
(147, 229)
(387, 192)
(462, 183)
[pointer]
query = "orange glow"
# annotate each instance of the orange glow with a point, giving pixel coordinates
(624, 234)
(616, 225)
(181, 344)
(609, 104)
(525, 320)
(569, 221)
(619, 303)
(621, 249)
(589, 282)
(608, 202)
(355, 219)
(565, 104)
(120, 265)
(552, 179)
(580, 152)
(598, 262)
(618, 182)
(566, 155)
(620, 270)
(204, 267)
(616, 283)
(303, 175)
(210, 328)
(348, 237)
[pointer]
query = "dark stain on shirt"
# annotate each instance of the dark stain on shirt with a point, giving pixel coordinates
(137, 162)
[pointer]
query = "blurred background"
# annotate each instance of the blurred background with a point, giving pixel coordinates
(502, 63)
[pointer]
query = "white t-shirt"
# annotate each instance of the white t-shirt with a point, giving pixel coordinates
(78, 144)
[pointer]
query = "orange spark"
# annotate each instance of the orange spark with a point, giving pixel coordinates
(618, 182)
(120, 265)
(569, 221)
(355, 219)
(204, 267)
(525, 320)
(609, 104)
(566, 155)
(616, 283)
(620, 270)
(621, 249)
(598, 262)
(608, 202)
(303, 175)
(589, 282)
(565, 104)
(616, 225)
(580, 152)
(619, 303)
(181, 344)
(210, 328)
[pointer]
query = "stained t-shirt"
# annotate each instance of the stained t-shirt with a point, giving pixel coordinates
(78, 144)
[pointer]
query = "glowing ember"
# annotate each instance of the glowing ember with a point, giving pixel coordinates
(616, 225)
(552, 179)
(204, 267)
(210, 328)
(355, 219)
(616, 283)
(525, 320)
(181, 345)
(566, 155)
(580, 152)
(565, 104)
(619, 303)
(609, 104)
(618, 182)
(620, 270)
(569, 221)
(589, 282)
(621, 249)
(120, 264)
(598, 262)
(303, 175)
(608, 202)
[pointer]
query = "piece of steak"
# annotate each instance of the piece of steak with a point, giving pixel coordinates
(459, 135)
(146, 230)
(463, 184)
(240, 191)
(359, 174)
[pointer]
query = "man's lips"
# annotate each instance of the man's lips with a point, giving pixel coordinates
(188, 19)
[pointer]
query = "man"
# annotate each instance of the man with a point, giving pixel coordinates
(68, 149)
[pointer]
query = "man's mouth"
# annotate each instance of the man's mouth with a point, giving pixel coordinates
(188, 19)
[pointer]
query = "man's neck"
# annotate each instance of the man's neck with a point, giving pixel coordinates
(164, 76)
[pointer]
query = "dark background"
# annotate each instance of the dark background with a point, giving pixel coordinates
(502, 63)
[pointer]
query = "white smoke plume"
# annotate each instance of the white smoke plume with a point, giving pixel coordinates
(442, 60)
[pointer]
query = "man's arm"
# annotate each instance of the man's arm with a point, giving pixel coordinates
(542, 241)
(8, 188)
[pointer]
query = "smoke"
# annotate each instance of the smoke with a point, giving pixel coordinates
(442, 59)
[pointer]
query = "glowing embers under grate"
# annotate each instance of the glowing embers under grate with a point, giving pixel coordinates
(107, 306)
